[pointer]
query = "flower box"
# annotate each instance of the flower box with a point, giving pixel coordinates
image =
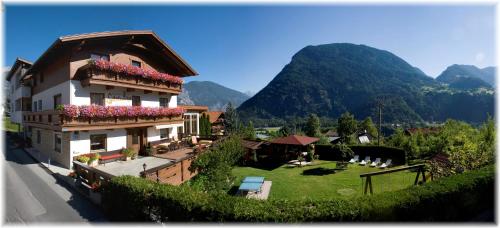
(127, 79)
(106, 120)
(145, 82)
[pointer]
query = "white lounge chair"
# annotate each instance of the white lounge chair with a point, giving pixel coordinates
(386, 164)
(366, 161)
(376, 162)
(354, 159)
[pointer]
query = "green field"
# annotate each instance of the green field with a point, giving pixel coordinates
(321, 180)
(9, 126)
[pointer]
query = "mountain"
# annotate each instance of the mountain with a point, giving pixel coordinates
(468, 77)
(334, 78)
(489, 72)
(211, 94)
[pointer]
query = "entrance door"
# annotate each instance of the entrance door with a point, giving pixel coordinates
(136, 139)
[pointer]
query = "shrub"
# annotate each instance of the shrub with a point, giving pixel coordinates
(214, 166)
(83, 159)
(455, 198)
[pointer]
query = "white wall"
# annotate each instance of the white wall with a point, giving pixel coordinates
(116, 96)
(116, 139)
(154, 134)
(47, 96)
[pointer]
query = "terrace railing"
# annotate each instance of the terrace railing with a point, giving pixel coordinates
(55, 120)
(90, 75)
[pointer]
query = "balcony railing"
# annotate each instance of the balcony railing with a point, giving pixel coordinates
(91, 75)
(56, 120)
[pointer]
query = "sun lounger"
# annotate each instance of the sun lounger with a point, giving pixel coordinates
(376, 162)
(386, 164)
(354, 159)
(366, 161)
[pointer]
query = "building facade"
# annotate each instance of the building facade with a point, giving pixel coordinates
(19, 94)
(103, 92)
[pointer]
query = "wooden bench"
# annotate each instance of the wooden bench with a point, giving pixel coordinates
(110, 156)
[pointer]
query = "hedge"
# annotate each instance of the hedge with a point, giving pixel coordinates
(330, 152)
(455, 198)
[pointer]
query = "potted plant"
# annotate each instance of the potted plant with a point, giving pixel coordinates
(94, 160)
(83, 159)
(127, 153)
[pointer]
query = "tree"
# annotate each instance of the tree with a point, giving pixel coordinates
(347, 126)
(312, 128)
(249, 132)
(367, 124)
(231, 121)
(205, 125)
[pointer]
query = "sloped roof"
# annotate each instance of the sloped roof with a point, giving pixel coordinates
(198, 108)
(295, 140)
(19, 62)
(331, 133)
(214, 115)
(254, 145)
(65, 42)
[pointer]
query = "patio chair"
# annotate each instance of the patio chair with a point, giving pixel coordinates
(354, 159)
(364, 162)
(376, 162)
(386, 164)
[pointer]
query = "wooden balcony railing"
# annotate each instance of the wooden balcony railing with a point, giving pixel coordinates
(89, 75)
(55, 120)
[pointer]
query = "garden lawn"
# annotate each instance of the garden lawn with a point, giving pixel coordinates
(321, 180)
(9, 126)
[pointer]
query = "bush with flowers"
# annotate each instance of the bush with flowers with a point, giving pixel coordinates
(98, 111)
(120, 68)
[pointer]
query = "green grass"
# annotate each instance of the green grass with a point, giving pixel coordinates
(9, 126)
(322, 181)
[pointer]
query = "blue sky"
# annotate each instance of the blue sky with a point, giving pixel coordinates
(244, 46)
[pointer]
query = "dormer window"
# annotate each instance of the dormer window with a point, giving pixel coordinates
(136, 63)
(96, 56)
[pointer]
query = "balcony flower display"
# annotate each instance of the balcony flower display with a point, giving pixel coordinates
(105, 65)
(71, 111)
(98, 111)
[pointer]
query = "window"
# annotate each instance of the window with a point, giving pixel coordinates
(98, 142)
(163, 102)
(194, 124)
(35, 106)
(57, 142)
(96, 56)
(187, 124)
(57, 100)
(97, 98)
(38, 137)
(41, 77)
(164, 133)
(40, 105)
(136, 63)
(34, 80)
(136, 101)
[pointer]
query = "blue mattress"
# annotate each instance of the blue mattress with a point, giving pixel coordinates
(253, 180)
(250, 186)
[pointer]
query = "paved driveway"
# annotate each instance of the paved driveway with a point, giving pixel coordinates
(32, 195)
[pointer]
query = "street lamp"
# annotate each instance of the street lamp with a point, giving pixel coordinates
(144, 167)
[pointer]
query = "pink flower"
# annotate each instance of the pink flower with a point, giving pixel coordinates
(102, 64)
(71, 111)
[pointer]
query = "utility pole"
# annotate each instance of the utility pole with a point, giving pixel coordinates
(380, 105)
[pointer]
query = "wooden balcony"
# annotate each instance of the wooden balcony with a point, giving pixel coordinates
(55, 120)
(88, 75)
